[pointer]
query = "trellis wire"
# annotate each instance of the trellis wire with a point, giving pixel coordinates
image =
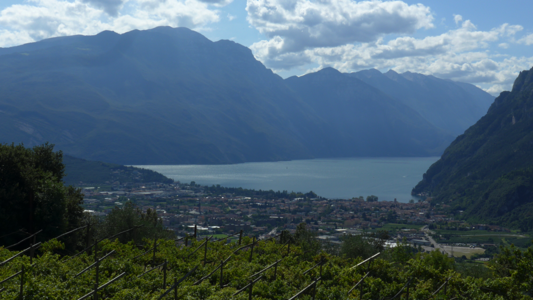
(176, 283)
(20, 253)
(306, 288)
(25, 239)
(103, 286)
(94, 264)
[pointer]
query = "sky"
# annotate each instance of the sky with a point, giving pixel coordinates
(483, 42)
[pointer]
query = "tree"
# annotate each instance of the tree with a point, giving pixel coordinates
(128, 216)
(372, 198)
(32, 194)
(307, 239)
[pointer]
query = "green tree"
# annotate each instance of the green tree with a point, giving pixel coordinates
(307, 239)
(372, 198)
(128, 216)
(32, 194)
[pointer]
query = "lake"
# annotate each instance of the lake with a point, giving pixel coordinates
(387, 178)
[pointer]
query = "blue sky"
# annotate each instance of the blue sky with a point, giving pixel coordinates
(483, 42)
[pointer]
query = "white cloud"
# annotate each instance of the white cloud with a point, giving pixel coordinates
(217, 2)
(296, 25)
(458, 19)
(109, 6)
(40, 19)
(527, 40)
(231, 17)
(503, 45)
(303, 33)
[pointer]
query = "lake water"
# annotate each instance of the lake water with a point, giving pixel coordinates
(387, 178)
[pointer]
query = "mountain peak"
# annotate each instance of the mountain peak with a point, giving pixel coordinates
(524, 81)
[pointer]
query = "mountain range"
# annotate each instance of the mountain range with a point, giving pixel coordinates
(486, 174)
(171, 96)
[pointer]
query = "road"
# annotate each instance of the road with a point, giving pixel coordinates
(457, 251)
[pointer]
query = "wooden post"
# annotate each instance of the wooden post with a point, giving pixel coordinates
(314, 291)
(252, 250)
(97, 269)
(407, 296)
(22, 283)
(361, 289)
(205, 251)
(32, 251)
(289, 248)
(250, 291)
(155, 247)
(175, 289)
(221, 273)
(195, 236)
(87, 240)
(240, 237)
(186, 240)
(165, 275)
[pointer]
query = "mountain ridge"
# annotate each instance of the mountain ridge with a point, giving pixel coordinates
(172, 96)
(487, 171)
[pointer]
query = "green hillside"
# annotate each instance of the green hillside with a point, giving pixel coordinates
(486, 172)
(79, 170)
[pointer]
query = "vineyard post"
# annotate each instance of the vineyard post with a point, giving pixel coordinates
(87, 236)
(205, 251)
(32, 251)
(165, 274)
(175, 289)
(22, 283)
(407, 296)
(221, 273)
(289, 248)
(97, 269)
(250, 291)
(252, 250)
(361, 290)
(195, 236)
(314, 290)
(186, 240)
(155, 247)
(240, 237)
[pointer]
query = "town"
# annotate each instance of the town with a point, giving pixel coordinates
(186, 207)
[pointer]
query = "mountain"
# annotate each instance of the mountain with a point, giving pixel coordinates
(488, 171)
(79, 170)
(372, 123)
(449, 105)
(171, 96)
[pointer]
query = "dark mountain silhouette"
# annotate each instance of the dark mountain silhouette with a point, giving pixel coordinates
(171, 96)
(449, 105)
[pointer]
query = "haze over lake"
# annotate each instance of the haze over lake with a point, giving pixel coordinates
(387, 178)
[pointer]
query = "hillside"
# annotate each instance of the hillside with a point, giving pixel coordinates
(372, 123)
(171, 96)
(79, 170)
(448, 105)
(488, 171)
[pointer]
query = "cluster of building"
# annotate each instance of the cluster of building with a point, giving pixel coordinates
(183, 205)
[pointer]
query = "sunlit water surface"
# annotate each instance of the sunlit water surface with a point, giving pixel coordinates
(387, 178)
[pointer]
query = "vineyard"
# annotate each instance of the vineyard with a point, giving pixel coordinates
(245, 268)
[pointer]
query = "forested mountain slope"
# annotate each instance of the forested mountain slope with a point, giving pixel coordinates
(488, 171)
(372, 123)
(449, 105)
